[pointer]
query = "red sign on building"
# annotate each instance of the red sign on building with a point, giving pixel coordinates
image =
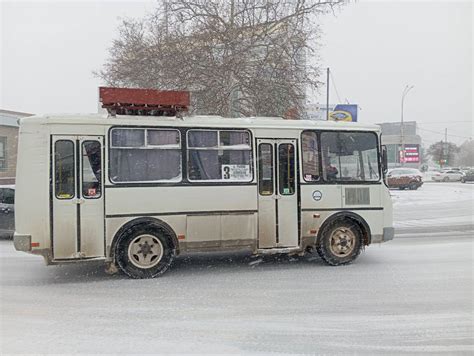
(411, 154)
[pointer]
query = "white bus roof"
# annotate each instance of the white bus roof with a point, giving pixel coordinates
(194, 121)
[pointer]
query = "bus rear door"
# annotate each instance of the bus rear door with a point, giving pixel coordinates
(77, 197)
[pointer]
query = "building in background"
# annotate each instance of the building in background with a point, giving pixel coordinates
(9, 144)
(391, 137)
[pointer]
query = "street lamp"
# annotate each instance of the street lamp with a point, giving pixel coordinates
(402, 133)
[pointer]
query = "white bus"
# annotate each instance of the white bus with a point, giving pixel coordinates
(136, 191)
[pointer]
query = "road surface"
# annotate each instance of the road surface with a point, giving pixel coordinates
(412, 295)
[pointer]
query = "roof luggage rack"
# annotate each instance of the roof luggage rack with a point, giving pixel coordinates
(146, 102)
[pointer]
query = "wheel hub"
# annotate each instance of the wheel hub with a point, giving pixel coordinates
(342, 242)
(145, 251)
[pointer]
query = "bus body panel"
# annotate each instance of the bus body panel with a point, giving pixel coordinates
(156, 200)
(230, 231)
(32, 188)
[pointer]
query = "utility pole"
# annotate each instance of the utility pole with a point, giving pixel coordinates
(327, 94)
(446, 146)
(402, 131)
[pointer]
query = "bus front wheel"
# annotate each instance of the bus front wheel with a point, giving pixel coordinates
(340, 243)
(144, 252)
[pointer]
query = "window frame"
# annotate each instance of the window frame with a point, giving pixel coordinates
(348, 182)
(145, 147)
(218, 148)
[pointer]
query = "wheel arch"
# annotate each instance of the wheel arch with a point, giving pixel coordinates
(351, 216)
(153, 223)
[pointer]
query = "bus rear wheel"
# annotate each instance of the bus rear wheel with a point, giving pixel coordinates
(340, 243)
(144, 252)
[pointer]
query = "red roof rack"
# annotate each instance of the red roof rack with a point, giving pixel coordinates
(148, 102)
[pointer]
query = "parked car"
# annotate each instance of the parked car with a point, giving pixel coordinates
(404, 178)
(468, 176)
(448, 176)
(7, 211)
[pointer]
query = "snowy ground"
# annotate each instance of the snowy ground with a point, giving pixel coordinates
(435, 207)
(412, 295)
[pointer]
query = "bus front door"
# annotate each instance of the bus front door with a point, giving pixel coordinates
(77, 197)
(277, 193)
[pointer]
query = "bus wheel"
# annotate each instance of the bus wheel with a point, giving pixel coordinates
(142, 252)
(341, 243)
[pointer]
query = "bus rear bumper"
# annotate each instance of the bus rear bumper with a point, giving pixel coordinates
(22, 242)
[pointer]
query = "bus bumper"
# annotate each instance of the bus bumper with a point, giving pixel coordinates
(22, 242)
(388, 234)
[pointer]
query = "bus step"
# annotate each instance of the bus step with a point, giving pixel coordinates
(277, 250)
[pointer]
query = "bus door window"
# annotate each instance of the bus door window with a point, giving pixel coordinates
(265, 169)
(91, 169)
(64, 163)
(286, 169)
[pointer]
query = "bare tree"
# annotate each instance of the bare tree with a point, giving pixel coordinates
(443, 153)
(466, 153)
(237, 57)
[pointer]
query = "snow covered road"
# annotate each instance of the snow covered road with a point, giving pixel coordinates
(434, 207)
(412, 295)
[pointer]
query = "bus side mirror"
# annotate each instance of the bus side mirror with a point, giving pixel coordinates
(384, 159)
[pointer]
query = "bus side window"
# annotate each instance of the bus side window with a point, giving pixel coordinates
(64, 162)
(219, 155)
(350, 156)
(145, 155)
(310, 150)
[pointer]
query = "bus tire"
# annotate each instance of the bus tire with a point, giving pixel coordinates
(340, 243)
(144, 251)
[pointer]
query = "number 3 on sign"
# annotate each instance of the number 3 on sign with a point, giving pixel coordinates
(226, 172)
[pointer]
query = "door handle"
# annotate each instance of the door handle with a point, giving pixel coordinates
(276, 197)
(79, 201)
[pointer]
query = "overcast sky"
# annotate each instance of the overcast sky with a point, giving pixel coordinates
(374, 49)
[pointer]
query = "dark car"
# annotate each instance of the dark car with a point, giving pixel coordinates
(404, 178)
(468, 176)
(7, 211)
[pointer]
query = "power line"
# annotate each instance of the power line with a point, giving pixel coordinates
(442, 133)
(444, 122)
